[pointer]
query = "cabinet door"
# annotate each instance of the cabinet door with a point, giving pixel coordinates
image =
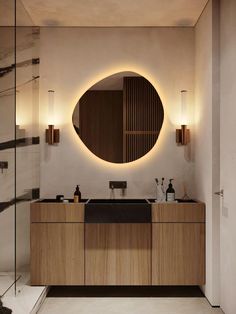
(118, 254)
(57, 253)
(178, 256)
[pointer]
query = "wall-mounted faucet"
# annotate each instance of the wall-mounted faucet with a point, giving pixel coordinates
(117, 185)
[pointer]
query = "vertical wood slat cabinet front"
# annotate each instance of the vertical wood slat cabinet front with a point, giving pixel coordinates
(57, 243)
(118, 254)
(178, 254)
(178, 244)
(57, 254)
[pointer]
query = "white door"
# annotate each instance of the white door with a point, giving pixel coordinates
(228, 156)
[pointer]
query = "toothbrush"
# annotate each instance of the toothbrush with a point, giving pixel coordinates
(163, 189)
(162, 182)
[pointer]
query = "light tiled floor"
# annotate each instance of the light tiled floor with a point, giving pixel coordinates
(127, 306)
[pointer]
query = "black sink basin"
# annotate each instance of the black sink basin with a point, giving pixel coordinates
(117, 211)
(117, 201)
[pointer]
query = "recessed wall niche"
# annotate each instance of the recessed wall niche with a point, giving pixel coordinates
(119, 118)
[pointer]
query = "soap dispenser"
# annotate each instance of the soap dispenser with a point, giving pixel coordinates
(170, 192)
(77, 195)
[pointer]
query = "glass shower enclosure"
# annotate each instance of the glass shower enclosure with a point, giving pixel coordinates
(7, 146)
(19, 141)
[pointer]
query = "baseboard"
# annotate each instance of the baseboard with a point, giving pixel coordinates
(213, 306)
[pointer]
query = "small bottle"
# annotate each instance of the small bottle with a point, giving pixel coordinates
(170, 192)
(77, 195)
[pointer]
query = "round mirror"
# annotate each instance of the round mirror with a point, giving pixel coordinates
(119, 118)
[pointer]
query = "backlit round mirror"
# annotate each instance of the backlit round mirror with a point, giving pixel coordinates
(119, 118)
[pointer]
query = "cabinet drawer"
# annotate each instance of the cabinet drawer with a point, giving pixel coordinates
(57, 212)
(178, 212)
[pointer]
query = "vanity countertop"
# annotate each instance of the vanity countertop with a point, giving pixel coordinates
(53, 200)
(117, 211)
(122, 201)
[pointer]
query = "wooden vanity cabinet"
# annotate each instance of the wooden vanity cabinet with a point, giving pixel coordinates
(118, 254)
(67, 251)
(178, 244)
(57, 244)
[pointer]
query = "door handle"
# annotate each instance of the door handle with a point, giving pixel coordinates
(220, 193)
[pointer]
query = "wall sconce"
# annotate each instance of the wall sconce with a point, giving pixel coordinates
(20, 133)
(52, 134)
(183, 134)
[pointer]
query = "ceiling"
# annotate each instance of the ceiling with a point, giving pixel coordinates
(97, 13)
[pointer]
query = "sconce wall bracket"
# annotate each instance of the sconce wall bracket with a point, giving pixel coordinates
(52, 135)
(183, 135)
(3, 165)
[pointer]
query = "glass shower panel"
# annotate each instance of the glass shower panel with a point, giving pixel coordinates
(7, 145)
(27, 136)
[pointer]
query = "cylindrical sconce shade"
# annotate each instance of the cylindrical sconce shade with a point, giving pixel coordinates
(52, 134)
(20, 133)
(183, 134)
(18, 108)
(51, 106)
(184, 108)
